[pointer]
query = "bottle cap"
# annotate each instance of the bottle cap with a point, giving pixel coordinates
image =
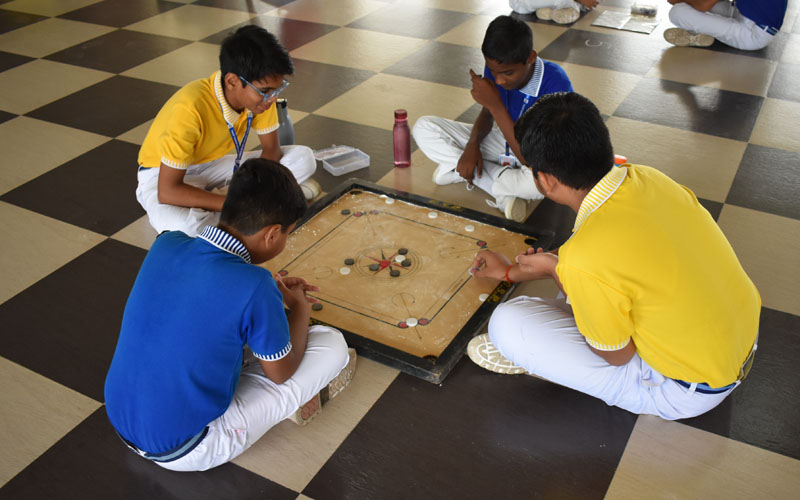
(401, 114)
(281, 102)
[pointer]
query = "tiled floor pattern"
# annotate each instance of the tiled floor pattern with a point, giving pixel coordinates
(82, 79)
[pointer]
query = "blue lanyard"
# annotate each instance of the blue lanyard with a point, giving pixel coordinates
(239, 146)
(521, 111)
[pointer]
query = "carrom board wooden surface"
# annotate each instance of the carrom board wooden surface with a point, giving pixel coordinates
(393, 271)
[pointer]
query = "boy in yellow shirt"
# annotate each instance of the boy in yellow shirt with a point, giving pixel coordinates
(657, 315)
(184, 165)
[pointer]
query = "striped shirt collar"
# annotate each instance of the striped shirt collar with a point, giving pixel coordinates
(535, 83)
(225, 241)
(598, 195)
(228, 112)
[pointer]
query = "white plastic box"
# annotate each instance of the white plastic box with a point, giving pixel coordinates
(341, 160)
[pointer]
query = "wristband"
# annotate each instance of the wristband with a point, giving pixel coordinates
(505, 276)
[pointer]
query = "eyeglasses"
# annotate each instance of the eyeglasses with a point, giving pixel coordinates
(266, 96)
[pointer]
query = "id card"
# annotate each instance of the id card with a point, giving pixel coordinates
(507, 161)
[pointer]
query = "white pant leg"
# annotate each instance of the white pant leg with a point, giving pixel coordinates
(541, 336)
(300, 160)
(259, 404)
(211, 176)
(723, 22)
(529, 6)
(443, 141)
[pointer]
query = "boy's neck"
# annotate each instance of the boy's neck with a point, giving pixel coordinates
(230, 100)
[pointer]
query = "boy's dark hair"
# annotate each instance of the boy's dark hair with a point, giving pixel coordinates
(254, 53)
(564, 135)
(507, 41)
(262, 193)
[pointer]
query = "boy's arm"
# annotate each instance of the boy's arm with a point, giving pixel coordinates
(293, 290)
(270, 146)
(173, 191)
(471, 157)
(485, 92)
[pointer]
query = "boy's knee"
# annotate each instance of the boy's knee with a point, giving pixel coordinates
(504, 325)
(331, 340)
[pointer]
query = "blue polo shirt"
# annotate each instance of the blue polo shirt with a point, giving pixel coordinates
(547, 78)
(195, 304)
(763, 12)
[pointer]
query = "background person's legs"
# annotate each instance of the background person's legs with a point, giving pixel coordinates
(259, 404)
(723, 22)
(530, 6)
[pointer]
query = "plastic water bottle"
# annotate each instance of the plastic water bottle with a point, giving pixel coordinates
(286, 127)
(402, 139)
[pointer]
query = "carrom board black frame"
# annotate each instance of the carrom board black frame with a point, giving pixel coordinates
(430, 368)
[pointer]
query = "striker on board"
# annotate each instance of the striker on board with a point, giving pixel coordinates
(408, 299)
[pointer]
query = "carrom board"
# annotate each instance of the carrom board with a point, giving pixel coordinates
(393, 271)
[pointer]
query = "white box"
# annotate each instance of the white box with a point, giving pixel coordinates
(346, 162)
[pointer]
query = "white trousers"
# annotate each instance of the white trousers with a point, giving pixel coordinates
(443, 141)
(541, 336)
(530, 6)
(723, 22)
(212, 176)
(259, 403)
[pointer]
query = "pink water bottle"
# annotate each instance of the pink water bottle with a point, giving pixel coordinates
(402, 139)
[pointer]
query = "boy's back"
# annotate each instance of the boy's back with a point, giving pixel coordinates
(192, 307)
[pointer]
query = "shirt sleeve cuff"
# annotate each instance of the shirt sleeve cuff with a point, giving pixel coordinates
(174, 164)
(278, 355)
(262, 131)
(607, 347)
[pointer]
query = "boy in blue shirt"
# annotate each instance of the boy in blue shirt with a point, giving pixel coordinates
(482, 154)
(180, 391)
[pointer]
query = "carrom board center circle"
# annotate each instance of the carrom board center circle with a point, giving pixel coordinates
(378, 262)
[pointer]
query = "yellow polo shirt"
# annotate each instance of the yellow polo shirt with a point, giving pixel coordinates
(192, 126)
(647, 262)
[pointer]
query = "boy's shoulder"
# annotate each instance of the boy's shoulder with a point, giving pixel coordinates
(555, 79)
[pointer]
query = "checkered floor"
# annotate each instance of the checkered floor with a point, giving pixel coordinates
(81, 80)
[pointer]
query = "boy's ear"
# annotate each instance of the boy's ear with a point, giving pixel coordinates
(547, 181)
(271, 233)
(531, 58)
(232, 80)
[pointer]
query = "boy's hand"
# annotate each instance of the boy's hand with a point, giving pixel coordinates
(294, 291)
(489, 264)
(470, 161)
(537, 264)
(484, 91)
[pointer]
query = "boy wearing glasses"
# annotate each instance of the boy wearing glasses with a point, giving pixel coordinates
(198, 137)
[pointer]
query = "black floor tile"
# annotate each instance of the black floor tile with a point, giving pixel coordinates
(110, 107)
(626, 52)
(118, 51)
(713, 207)
(11, 20)
(478, 435)
(549, 215)
(411, 20)
(8, 60)
(316, 84)
(68, 322)
(765, 410)
(91, 463)
(4, 117)
(690, 107)
(319, 132)
(94, 191)
(784, 82)
(291, 32)
(441, 63)
(767, 180)
(119, 13)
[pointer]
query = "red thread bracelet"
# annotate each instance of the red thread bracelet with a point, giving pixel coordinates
(506, 274)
